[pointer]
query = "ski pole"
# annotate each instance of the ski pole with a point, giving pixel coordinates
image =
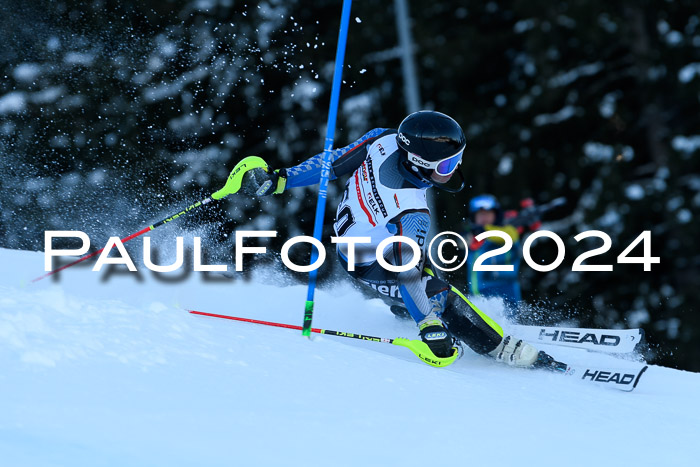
(418, 347)
(233, 184)
(126, 239)
(326, 164)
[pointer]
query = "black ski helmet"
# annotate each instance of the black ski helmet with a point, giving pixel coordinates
(428, 137)
(431, 135)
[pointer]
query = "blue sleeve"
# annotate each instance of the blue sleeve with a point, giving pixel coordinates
(309, 171)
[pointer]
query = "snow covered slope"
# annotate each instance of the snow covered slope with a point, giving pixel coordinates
(102, 369)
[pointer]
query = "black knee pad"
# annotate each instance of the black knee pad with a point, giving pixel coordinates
(467, 326)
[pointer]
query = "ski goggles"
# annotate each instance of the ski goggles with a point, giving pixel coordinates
(442, 167)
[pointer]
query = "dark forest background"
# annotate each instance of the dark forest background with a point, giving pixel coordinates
(114, 115)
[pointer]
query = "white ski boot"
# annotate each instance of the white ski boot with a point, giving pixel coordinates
(515, 352)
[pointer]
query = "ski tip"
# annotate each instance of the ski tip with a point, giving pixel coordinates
(641, 372)
(641, 342)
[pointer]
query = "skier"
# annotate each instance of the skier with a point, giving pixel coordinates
(390, 172)
(485, 214)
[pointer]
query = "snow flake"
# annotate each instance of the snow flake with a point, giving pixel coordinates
(637, 317)
(634, 192)
(688, 72)
(674, 38)
(79, 58)
(598, 152)
(13, 102)
(26, 72)
(568, 77)
(563, 114)
(684, 216)
(505, 165)
(53, 43)
(523, 25)
(674, 203)
(608, 104)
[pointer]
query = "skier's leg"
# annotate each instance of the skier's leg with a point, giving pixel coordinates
(480, 332)
(476, 329)
(471, 325)
(464, 320)
(374, 276)
(425, 287)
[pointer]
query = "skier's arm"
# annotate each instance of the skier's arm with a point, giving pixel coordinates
(258, 181)
(345, 160)
(414, 225)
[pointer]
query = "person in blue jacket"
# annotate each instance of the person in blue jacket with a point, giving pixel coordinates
(485, 214)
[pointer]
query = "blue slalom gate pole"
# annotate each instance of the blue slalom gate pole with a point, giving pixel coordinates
(326, 166)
